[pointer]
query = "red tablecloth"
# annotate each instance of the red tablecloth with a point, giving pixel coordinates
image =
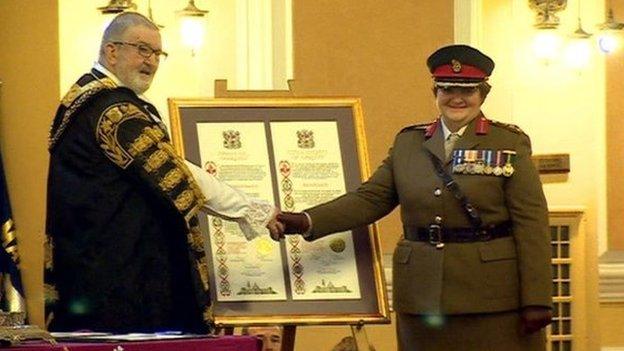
(221, 343)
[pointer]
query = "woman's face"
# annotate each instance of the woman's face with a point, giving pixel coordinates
(458, 105)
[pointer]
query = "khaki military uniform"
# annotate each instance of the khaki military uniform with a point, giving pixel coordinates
(477, 279)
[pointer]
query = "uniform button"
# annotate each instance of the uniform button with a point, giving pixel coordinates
(438, 219)
(437, 192)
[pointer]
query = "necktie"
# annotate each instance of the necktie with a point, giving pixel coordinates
(449, 143)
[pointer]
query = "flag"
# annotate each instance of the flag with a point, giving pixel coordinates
(12, 291)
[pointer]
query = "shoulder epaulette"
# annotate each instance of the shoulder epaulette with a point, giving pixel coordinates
(72, 101)
(508, 126)
(420, 126)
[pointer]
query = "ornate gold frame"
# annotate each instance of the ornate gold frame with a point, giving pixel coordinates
(292, 316)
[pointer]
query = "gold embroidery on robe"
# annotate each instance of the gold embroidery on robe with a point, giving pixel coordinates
(48, 248)
(149, 137)
(106, 131)
(190, 199)
(140, 145)
(155, 161)
(208, 314)
(171, 179)
(196, 240)
(76, 90)
(194, 197)
(201, 199)
(184, 200)
(50, 293)
(73, 100)
(72, 94)
(9, 240)
(155, 133)
(202, 268)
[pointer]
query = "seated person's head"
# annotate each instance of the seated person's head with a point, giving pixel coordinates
(271, 336)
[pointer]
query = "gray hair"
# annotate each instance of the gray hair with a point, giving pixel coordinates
(120, 24)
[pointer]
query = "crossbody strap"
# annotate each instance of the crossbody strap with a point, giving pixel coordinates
(453, 187)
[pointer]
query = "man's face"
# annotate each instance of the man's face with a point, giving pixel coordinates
(134, 70)
(271, 337)
(458, 105)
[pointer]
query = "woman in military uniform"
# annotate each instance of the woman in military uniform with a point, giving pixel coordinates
(472, 271)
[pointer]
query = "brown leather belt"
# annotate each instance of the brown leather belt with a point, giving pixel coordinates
(437, 235)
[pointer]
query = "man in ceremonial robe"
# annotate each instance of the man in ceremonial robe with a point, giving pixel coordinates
(124, 251)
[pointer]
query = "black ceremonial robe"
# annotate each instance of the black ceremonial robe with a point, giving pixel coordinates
(123, 250)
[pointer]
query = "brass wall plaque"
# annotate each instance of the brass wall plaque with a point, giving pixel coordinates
(552, 163)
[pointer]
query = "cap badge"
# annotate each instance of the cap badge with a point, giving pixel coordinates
(456, 66)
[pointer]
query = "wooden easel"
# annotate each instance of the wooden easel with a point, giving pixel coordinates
(361, 339)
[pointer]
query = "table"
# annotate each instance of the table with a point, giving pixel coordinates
(220, 343)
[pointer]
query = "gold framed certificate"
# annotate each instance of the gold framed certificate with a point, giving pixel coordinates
(296, 153)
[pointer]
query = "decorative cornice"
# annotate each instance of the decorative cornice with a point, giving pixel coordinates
(611, 275)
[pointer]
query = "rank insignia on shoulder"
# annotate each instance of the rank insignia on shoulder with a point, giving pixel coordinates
(510, 127)
(484, 162)
(421, 127)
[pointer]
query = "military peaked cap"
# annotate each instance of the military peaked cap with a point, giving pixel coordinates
(459, 65)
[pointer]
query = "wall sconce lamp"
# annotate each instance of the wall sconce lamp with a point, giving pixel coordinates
(610, 23)
(607, 40)
(547, 42)
(577, 53)
(192, 10)
(117, 6)
(192, 26)
(580, 33)
(578, 50)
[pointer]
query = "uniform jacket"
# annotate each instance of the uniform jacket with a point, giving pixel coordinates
(124, 253)
(476, 277)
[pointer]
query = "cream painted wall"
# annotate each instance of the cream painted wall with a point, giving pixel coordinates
(563, 110)
(612, 322)
(567, 107)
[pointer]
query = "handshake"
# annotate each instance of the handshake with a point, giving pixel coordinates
(288, 223)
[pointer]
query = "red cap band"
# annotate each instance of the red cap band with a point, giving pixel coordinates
(466, 72)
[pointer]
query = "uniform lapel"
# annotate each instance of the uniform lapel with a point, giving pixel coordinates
(435, 144)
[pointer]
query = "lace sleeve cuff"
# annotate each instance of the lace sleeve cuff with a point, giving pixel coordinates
(255, 219)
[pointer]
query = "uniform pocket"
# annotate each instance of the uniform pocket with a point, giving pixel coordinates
(402, 254)
(416, 277)
(500, 267)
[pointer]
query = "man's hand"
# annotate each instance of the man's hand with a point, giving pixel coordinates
(276, 229)
(293, 223)
(534, 318)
